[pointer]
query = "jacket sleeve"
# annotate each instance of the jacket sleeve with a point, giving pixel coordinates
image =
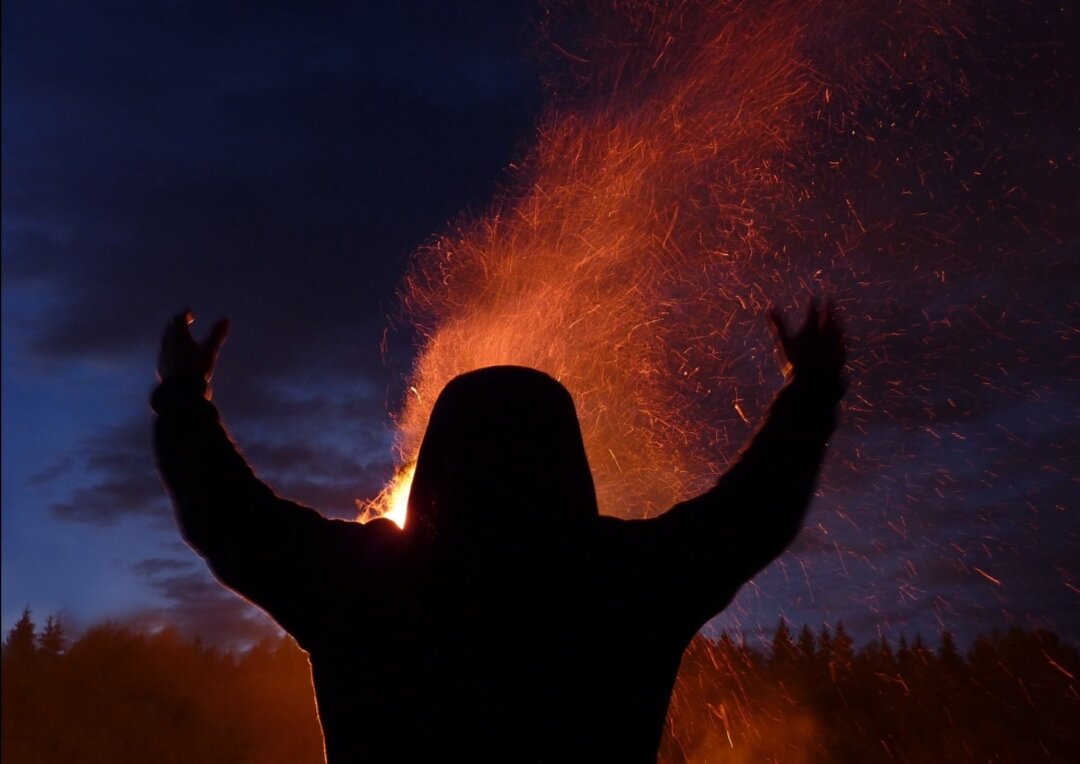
(283, 557)
(706, 548)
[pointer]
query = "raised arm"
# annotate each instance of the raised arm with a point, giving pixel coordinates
(711, 545)
(278, 554)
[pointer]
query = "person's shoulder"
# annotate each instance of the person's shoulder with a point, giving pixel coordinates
(364, 553)
(617, 533)
(610, 524)
(379, 532)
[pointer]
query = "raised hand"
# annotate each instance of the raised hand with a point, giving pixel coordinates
(181, 354)
(817, 348)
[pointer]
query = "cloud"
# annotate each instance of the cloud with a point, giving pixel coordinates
(61, 468)
(120, 478)
(303, 463)
(279, 166)
(197, 604)
(165, 161)
(154, 566)
(287, 191)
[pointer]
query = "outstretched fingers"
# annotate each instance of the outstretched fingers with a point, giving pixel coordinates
(813, 320)
(178, 323)
(818, 345)
(217, 335)
(832, 338)
(182, 354)
(776, 320)
(784, 341)
(212, 346)
(177, 333)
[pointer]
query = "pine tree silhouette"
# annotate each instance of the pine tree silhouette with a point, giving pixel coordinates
(21, 641)
(52, 641)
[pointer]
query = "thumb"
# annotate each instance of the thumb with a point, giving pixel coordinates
(777, 322)
(208, 352)
(217, 336)
(783, 339)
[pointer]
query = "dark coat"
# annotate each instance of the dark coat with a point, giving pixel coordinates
(508, 621)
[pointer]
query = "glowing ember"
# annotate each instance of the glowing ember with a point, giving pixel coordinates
(650, 232)
(703, 160)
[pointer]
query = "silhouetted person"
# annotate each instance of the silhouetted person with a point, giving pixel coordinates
(508, 621)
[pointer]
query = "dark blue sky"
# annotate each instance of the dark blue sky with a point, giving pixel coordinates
(278, 163)
(273, 162)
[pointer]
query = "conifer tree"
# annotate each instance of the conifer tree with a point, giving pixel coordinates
(948, 652)
(903, 654)
(783, 649)
(825, 641)
(21, 641)
(843, 647)
(52, 641)
(807, 646)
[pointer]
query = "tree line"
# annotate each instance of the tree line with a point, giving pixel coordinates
(117, 694)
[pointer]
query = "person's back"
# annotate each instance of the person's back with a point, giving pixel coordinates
(573, 665)
(508, 620)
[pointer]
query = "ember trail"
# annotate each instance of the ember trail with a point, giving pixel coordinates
(699, 161)
(697, 164)
(679, 186)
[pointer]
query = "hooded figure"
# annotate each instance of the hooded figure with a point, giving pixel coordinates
(502, 462)
(508, 620)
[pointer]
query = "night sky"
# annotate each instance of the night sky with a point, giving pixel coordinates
(279, 163)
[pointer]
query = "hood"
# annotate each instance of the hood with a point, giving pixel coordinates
(502, 459)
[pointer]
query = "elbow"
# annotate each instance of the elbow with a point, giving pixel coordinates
(194, 534)
(757, 557)
(197, 525)
(776, 532)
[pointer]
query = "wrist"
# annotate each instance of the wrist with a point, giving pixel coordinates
(826, 384)
(179, 390)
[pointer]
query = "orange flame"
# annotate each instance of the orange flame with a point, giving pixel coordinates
(393, 501)
(648, 234)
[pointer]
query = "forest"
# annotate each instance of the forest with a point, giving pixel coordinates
(116, 694)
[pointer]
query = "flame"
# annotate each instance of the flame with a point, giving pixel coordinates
(393, 501)
(658, 217)
(703, 160)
